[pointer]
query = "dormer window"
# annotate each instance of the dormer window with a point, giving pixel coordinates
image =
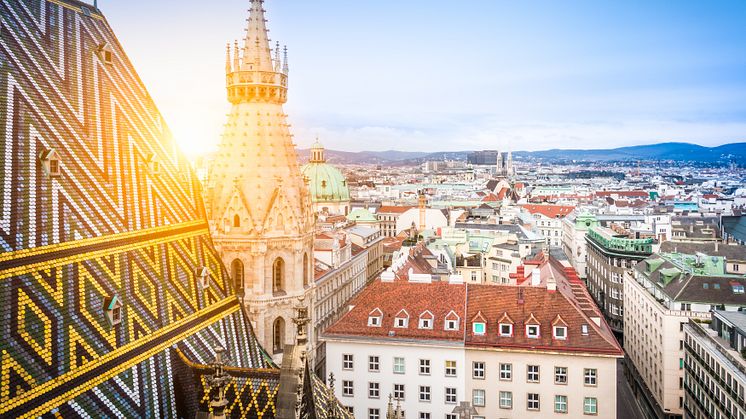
(203, 277)
(559, 328)
(506, 330)
(505, 327)
(479, 324)
(113, 310)
(402, 319)
(560, 332)
(426, 320)
(50, 162)
(452, 321)
(532, 331)
(106, 54)
(374, 318)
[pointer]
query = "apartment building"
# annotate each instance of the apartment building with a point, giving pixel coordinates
(537, 349)
(715, 367)
(547, 221)
(661, 294)
(610, 254)
(388, 215)
(574, 229)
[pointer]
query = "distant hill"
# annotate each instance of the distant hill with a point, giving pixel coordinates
(675, 151)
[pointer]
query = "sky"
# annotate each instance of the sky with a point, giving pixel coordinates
(441, 75)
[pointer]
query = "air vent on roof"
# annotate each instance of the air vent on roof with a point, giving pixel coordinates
(392, 333)
(86, 11)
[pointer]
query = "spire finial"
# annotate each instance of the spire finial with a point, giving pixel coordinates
(227, 57)
(236, 55)
(278, 64)
(285, 68)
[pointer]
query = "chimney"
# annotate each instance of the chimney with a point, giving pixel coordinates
(388, 276)
(551, 285)
(535, 277)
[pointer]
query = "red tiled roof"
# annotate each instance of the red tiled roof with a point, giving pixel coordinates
(570, 305)
(551, 211)
(491, 197)
(503, 192)
(440, 298)
(391, 209)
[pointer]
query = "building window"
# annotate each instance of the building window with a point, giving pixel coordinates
(506, 400)
(560, 332)
(399, 391)
(373, 363)
(347, 361)
(560, 375)
(590, 406)
(450, 368)
(477, 397)
(375, 317)
(424, 393)
(451, 395)
(424, 415)
(236, 221)
(532, 331)
(451, 416)
(478, 370)
(506, 372)
(278, 335)
(374, 413)
(402, 319)
(532, 401)
(50, 162)
(237, 274)
(478, 328)
(506, 330)
(452, 320)
(426, 323)
(532, 373)
(374, 390)
(560, 404)
(589, 375)
(306, 269)
(278, 276)
(398, 365)
(424, 367)
(584, 329)
(347, 388)
(113, 310)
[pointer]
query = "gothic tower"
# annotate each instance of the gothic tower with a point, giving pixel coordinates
(258, 205)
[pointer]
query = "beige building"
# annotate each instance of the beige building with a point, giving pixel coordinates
(258, 206)
(661, 294)
(540, 349)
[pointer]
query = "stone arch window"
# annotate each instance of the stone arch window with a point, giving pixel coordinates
(278, 276)
(323, 184)
(278, 335)
(306, 269)
(237, 274)
(236, 221)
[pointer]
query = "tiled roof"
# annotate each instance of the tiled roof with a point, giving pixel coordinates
(569, 305)
(629, 194)
(494, 301)
(391, 209)
(440, 298)
(551, 211)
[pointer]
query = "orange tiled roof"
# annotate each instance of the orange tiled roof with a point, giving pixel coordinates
(551, 211)
(392, 209)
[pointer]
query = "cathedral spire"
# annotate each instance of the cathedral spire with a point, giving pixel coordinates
(256, 54)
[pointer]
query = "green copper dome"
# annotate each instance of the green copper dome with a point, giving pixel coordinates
(326, 182)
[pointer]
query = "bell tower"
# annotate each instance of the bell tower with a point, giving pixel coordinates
(257, 203)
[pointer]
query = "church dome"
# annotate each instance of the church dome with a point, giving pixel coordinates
(326, 182)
